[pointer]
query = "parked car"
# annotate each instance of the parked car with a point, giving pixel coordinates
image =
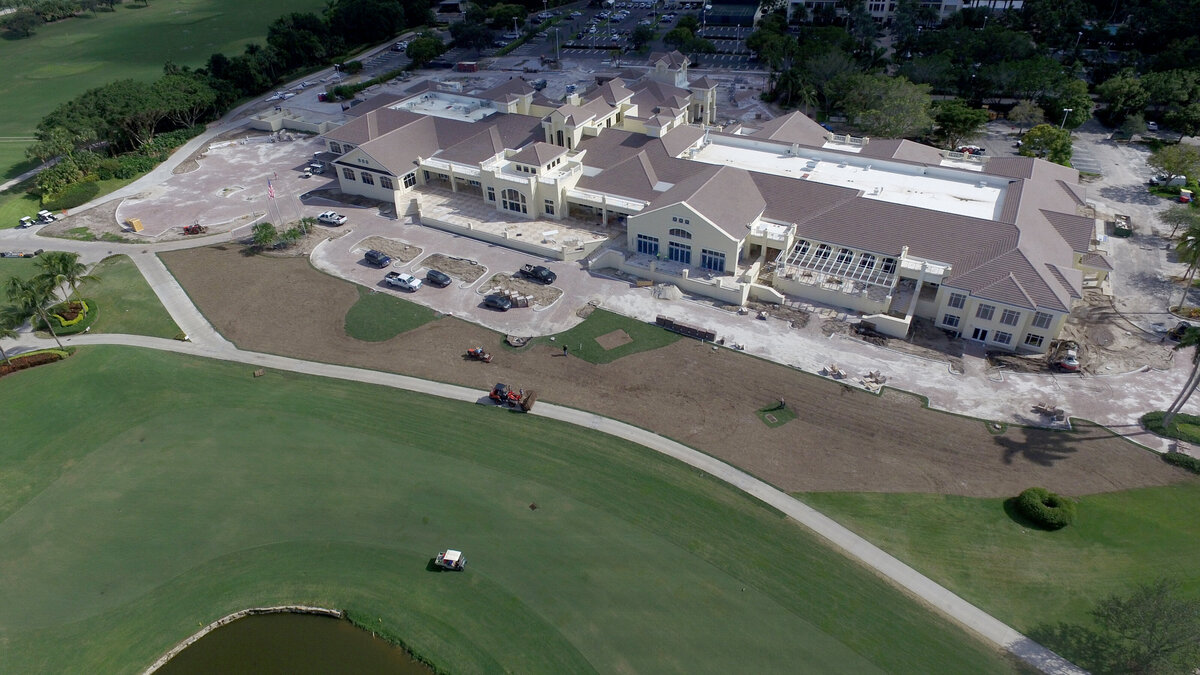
(438, 278)
(1151, 126)
(377, 258)
(400, 46)
(537, 273)
(401, 280)
(332, 218)
(497, 302)
(1168, 181)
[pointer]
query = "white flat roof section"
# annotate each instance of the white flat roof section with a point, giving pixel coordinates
(449, 106)
(874, 178)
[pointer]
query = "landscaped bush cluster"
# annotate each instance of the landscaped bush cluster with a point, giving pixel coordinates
(1046, 509)
(74, 326)
(72, 196)
(1184, 427)
(1179, 459)
(79, 315)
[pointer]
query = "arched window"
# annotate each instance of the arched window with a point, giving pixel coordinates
(681, 233)
(866, 262)
(823, 252)
(335, 148)
(845, 256)
(512, 200)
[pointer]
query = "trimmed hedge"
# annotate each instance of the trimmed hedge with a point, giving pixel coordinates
(84, 321)
(1184, 427)
(1179, 459)
(1046, 509)
(76, 194)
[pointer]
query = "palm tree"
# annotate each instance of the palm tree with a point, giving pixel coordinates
(61, 267)
(6, 332)
(31, 298)
(1190, 338)
(1188, 249)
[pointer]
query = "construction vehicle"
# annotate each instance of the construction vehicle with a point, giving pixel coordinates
(195, 229)
(477, 354)
(451, 560)
(502, 394)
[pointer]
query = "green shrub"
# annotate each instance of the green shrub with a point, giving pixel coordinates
(1179, 459)
(71, 196)
(1046, 509)
(1184, 427)
(79, 325)
(352, 67)
(78, 317)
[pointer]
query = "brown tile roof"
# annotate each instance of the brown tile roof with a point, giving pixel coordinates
(1012, 167)
(612, 92)
(703, 82)
(650, 94)
(373, 103)
(1069, 278)
(679, 139)
(506, 91)
(538, 153)
(724, 195)
(798, 201)
(372, 125)
(793, 128)
(1096, 261)
(673, 59)
(1074, 191)
(1076, 230)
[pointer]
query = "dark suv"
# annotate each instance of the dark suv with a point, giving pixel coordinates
(377, 258)
(438, 278)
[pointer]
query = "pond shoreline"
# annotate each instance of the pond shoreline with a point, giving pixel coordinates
(282, 609)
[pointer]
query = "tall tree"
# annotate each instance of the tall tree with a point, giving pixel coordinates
(31, 298)
(424, 49)
(1026, 113)
(62, 268)
(956, 122)
(1156, 628)
(186, 96)
(1176, 160)
(1122, 95)
(1048, 142)
(7, 332)
(888, 107)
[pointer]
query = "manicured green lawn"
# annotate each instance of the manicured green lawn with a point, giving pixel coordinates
(382, 316)
(64, 59)
(198, 489)
(1026, 576)
(581, 340)
(125, 301)
(16, 267)
(16, 204)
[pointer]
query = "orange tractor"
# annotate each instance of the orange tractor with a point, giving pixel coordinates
(195, 229)
(502, 394)
(477, 354)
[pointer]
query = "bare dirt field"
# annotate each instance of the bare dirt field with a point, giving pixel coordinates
(842, 439)
(398, 250)
(540, 295)
(462, 269)
(100, 223)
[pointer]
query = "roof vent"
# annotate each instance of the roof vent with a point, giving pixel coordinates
(981, 184)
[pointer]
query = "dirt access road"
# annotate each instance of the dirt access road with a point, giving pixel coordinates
(843, 439)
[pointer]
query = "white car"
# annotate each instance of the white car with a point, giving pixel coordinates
(332, 218)
(401, 280)
(1152, 126)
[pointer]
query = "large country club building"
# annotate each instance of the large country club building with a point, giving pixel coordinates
(633, 175)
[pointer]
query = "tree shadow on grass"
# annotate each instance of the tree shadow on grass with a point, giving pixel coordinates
(1081, 645)
(1041, 447)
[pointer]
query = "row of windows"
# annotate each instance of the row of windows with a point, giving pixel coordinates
(685, 221)
(524, 169)
(385, 182)
(338, 148)
(1008, 317)
(682, 234)
(681, 253)
(999, 337)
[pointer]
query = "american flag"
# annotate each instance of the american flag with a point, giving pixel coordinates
(270, 189)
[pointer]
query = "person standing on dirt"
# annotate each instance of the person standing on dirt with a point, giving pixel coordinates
(564, 350)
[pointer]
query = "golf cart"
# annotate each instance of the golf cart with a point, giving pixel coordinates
(451, 560)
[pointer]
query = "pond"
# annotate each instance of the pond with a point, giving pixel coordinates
(294, 644)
